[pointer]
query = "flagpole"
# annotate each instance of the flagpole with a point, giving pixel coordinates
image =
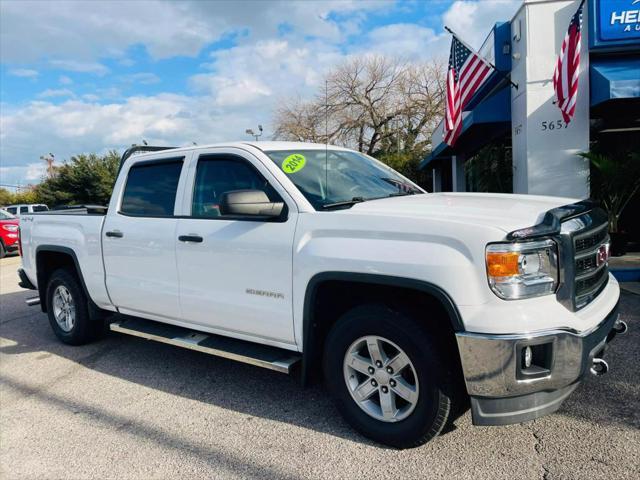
(486, 62)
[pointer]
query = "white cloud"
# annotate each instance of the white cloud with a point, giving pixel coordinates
(472, 20)
(78, 126)
(23, 174)
(56, 92)
(82, 67)
(239, 88)
(24, 72)
(406, 40)
(88, 31)
(263, 72)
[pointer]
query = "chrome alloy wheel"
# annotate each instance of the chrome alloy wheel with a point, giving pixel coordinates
(64, 308)
(381, 378)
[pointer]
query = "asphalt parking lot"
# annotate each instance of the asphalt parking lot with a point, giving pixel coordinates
(128, 408)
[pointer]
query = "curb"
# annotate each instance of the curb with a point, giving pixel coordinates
(626, 274)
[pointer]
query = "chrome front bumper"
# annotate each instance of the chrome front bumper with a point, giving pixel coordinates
(503, 391)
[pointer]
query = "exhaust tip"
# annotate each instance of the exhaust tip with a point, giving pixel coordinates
(599, 367)
(620, 327)
(32, 301)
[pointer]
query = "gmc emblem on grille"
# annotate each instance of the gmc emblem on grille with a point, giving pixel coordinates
(602, 255)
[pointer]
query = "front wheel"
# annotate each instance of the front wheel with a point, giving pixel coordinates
(387, 377)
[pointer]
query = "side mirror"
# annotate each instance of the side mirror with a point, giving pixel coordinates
(253, 203)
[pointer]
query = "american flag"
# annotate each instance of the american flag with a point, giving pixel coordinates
(565, 76)
(467, 72)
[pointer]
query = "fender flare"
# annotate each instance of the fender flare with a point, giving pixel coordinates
(435, 291)
(42, 287)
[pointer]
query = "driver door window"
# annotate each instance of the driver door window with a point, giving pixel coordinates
(220, 174)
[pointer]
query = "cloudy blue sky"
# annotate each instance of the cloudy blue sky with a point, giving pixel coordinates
(88, 76)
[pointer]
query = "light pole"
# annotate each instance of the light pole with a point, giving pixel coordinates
(250, 131)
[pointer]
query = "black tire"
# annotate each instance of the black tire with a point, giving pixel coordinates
(84, 329)
(433, 406)
(3, 252)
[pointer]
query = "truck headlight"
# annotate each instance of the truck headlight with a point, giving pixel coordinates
(522, 270)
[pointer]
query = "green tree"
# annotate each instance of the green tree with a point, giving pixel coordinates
(85, 179)
(6, 197)
(25, 196)
(614, 181)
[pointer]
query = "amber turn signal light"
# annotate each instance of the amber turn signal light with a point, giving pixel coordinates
(502, 264)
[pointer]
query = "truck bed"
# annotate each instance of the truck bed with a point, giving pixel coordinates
(76, 231)
(76, 210)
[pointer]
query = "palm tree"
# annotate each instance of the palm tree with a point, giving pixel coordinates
(614, 182)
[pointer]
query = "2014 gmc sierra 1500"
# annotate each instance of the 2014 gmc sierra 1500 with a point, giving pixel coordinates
(311, 258)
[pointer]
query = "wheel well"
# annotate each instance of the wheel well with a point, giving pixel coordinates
(48, 262)
(329, 299)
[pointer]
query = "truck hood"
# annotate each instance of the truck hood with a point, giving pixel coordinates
(504, 211)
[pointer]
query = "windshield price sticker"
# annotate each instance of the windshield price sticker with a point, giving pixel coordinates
(293, 163)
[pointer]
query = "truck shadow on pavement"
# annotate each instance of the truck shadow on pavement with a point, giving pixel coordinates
(612, 399)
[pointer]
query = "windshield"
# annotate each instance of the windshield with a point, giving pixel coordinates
(4, 215)
(328, 178)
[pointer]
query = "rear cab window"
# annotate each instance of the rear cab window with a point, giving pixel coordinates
(151, 188)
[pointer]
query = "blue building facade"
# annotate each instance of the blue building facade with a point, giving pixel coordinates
(513, 139)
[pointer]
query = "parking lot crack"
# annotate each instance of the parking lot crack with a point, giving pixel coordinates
(538, 447)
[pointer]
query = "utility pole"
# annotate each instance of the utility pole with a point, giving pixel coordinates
(49, 159)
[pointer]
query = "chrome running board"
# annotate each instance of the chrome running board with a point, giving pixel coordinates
(264, 356)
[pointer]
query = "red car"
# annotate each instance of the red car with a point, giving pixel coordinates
(9, 233)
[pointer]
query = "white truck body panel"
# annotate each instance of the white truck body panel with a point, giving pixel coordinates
(80, 233)
(434, 238)
(247, 264)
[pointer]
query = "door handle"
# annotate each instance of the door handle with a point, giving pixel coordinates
(190, 238)
(115, 234)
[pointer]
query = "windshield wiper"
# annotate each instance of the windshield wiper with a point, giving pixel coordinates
(345, 203)
(403, 194)
(404, 188)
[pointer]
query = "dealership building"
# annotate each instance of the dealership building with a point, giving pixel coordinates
(514, 139)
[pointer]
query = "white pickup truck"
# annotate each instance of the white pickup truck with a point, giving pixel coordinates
(316, 259)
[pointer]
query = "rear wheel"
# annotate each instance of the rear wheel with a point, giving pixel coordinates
(386, 375)
(68, 310)
(3, 251)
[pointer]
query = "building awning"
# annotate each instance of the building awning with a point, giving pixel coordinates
(489, 119)
(614, 78)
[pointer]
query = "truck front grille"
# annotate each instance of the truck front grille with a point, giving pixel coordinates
(590, 272)
(590, 241)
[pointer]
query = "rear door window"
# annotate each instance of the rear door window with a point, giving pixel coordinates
(24, 209)
(151, 189)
